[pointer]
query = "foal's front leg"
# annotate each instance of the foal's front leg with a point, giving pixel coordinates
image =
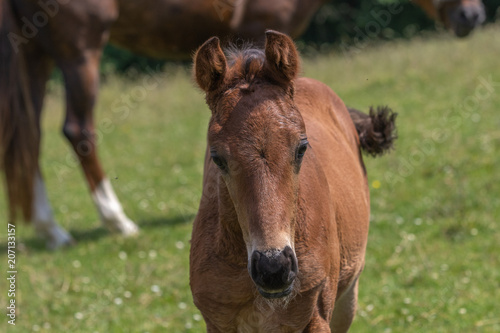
(318, 325)
(82, 79)
(345, 309)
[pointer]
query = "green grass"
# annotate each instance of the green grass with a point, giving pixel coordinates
(432, 263)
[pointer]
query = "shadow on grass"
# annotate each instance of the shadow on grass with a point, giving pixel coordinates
(161, 222)
(37, 244)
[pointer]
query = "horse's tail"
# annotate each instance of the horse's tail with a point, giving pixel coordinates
(376, 130)
(18, 129)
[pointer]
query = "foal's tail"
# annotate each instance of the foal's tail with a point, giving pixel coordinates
(376, 130)
(18, 130)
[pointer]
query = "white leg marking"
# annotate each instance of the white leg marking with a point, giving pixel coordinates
(111, 211)
(43, 219)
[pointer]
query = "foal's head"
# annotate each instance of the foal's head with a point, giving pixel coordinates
(257, 141)
(462, 16)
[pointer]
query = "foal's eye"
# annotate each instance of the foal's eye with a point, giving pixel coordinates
(219, 161)
(301, 150)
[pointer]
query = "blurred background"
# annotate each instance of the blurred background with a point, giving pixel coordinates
(333, 26)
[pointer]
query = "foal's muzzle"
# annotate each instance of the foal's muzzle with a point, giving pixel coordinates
(465, 18)
(273, 271)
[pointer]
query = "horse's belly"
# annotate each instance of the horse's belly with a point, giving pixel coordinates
(166, 29)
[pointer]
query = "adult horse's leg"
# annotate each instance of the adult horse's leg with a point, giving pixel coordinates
(43, 218)
(81, 75)
(39, 66)
(24, 70)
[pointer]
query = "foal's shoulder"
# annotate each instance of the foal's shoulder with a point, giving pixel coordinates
(319, 103)
(315, 93)
(313, 90)
(307, 84)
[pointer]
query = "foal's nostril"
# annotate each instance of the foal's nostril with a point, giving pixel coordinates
(254, 265)
(462, 15)
(292, 260)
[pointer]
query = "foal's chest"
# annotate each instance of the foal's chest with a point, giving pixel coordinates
(263, 318)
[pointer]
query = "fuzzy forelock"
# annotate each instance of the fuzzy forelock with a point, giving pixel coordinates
(246, 63)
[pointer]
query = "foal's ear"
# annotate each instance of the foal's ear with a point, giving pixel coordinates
(210, 65)
(281, 56)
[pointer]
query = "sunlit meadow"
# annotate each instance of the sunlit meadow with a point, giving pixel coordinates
(432, 262)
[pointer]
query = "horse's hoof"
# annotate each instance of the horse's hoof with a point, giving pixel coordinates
(59, 238)
(121, 224)
(129, 229)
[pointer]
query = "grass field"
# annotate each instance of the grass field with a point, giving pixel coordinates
(433, 258)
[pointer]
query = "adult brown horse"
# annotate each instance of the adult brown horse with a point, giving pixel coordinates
(279, 241)
(36, 35)
(461, 16)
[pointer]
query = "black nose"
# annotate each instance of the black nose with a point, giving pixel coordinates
(274, 271)
(470, 16)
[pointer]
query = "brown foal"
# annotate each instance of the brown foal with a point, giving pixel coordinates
(279, 241)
